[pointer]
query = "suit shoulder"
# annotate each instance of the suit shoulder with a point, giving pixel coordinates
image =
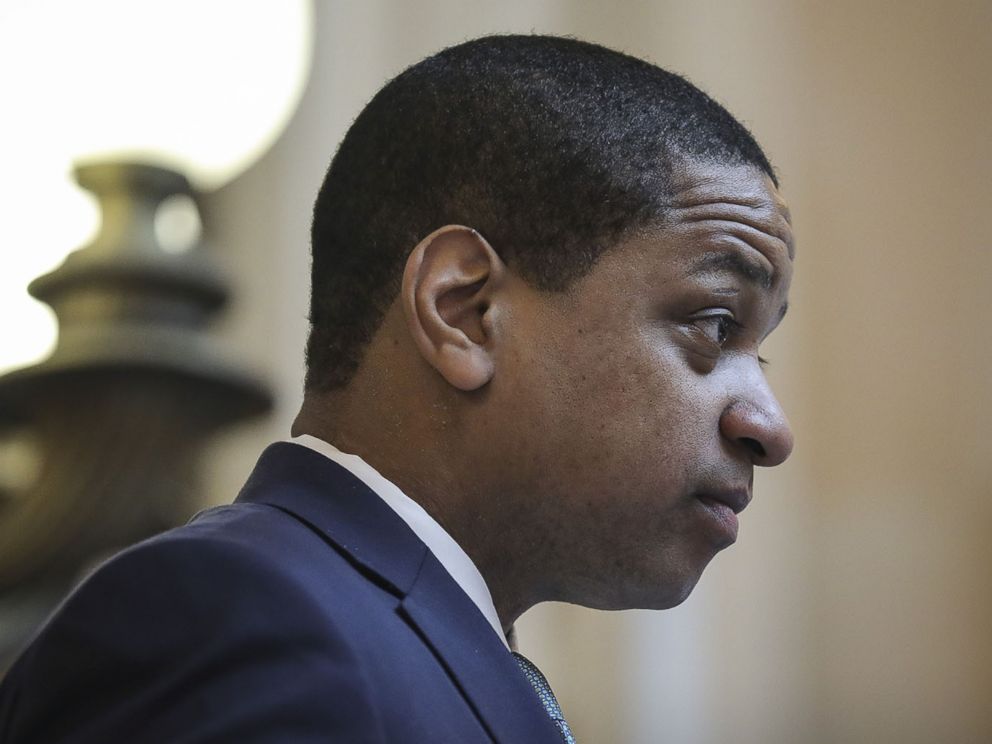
(236, 565)
(208, 619)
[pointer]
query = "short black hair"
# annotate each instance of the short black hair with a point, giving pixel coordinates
(552, 148)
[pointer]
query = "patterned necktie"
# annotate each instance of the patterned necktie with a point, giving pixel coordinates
(543, 690)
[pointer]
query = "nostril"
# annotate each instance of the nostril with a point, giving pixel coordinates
(754, 446)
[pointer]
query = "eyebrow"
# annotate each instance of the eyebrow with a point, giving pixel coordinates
(736, 263)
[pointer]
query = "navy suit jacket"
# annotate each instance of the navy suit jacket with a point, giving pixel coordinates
(307, 611)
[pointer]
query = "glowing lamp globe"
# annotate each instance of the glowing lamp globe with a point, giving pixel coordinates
(199, 87)
(203, 87)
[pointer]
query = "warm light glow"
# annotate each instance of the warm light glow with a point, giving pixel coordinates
(205, 86)
(201, 86)
(42, 218)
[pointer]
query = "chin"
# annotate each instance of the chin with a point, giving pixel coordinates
(663, 598)
(660, 595)
(665, 589)
(661, 583)
(674, 599)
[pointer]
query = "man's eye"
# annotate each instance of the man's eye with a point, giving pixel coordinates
(717, 328)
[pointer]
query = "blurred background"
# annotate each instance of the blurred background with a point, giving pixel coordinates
(857, 603)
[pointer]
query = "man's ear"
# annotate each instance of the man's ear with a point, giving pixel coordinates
(447, 290)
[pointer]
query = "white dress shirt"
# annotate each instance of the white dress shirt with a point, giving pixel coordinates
(448, 553)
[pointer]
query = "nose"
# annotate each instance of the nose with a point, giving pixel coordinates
(756, 425)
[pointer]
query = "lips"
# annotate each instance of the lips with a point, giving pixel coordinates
(721, 508)
(735, 498)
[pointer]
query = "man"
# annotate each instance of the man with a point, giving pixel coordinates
(541, 274)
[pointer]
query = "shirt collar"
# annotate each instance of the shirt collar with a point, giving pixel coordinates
(448, 552)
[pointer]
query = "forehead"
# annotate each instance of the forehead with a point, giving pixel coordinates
(739, 203)
(722, 220)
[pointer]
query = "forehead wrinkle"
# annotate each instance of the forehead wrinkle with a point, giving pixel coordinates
(774, 226)
(769, 249)
(718, 189)
(751, 203)
(767, 244)
(691, 198)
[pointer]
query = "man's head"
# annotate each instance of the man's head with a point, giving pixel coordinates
(552, 148)
(541, 273)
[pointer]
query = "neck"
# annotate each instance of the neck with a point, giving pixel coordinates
(411, 453)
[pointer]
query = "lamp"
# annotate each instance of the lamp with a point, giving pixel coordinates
(203, 88)
(154, 102)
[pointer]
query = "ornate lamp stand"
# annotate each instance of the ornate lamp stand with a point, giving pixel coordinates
(118, 412)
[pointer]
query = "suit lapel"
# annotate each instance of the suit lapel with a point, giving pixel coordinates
(340, 507)
(476, 659)
(352, 517)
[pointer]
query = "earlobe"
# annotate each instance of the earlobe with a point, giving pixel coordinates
(449, 285)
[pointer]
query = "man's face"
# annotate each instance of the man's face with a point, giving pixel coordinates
(638, 401)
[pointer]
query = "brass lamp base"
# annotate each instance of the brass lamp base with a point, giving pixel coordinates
(120, 409)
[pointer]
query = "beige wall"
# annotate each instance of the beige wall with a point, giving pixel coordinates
(856, 606)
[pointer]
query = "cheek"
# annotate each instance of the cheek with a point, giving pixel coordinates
(648, 394)
(627, 418)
